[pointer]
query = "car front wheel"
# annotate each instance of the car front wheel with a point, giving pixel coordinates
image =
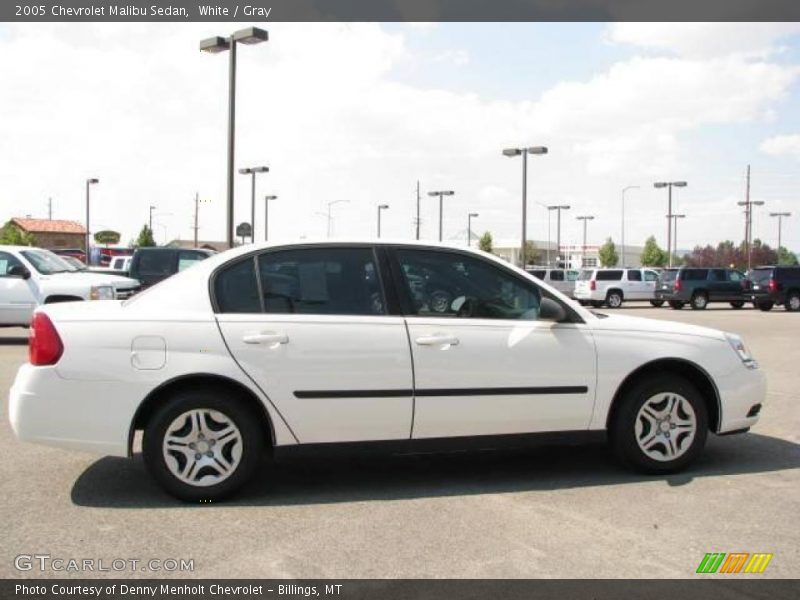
(203, 445)
(661, 425)
(614, 299)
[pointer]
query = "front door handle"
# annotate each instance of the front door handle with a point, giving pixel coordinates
(267, 338)
(437, 339)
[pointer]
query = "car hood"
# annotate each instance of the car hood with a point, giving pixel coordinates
(88, 278)
(607, 322)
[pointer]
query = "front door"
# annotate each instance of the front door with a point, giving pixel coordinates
(483, 363)
(310, 327)
(17, 295)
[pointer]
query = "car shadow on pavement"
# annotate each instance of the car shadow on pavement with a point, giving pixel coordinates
(124, 483)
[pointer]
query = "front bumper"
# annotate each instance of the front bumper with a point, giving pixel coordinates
(739, 392)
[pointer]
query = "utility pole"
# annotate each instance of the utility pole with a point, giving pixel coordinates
(417, 209)
(196, 208)
(49, 209)
(558, 208)
(748, 219)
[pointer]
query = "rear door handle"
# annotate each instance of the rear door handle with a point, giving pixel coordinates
(437, 339)
(266, 338)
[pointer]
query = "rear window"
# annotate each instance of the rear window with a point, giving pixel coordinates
(760, 275)
(609, 275)
(668, 275)
(556, 275)
(694, 275)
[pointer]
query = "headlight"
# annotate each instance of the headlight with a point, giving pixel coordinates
(741, 351)
(101, 292)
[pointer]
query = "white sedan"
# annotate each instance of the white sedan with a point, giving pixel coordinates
(400, 346)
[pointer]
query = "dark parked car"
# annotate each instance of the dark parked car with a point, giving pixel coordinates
(151, 265)
(769, 286)
(699, 286)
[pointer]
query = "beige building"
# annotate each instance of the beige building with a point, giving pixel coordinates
(53, 234)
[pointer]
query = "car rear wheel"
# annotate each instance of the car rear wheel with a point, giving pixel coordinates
(737, 304)
(657, 303)
(203, 444)
(661, 425)
(792, 303)
(765, 306)
(675, 304)
(614, 299)
(699, 301)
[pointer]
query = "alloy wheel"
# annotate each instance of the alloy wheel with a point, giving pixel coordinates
(666, 426)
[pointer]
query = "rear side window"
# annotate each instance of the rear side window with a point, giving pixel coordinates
(236, 288)
(556, 275)
(585, 275)
(156, 263)
(321, 281)
(760, 275)
(694, 275)
(634, 275)
(539, 273)
(609, 276)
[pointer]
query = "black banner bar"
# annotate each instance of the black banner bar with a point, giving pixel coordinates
(260, 11)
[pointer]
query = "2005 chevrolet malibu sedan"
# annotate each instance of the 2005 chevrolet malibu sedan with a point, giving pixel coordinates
(406, 346)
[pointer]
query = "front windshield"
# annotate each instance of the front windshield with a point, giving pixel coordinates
(47, 263)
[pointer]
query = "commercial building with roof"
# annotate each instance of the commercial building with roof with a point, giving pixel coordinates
(53, 234)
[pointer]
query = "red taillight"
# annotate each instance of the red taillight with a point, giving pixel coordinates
(772, 286)
(593, 285)
(677, 286)
(44, 344)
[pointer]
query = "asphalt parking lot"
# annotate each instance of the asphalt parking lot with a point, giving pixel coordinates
(547, 512)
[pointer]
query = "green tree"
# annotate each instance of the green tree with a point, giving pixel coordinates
(107, 237)
(11, 235)
(485, 242)
(653, 255)
(145, 239)
(608, 254)
(786, 258)
(531, 253)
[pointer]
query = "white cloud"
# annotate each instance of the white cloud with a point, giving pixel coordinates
(782, 145)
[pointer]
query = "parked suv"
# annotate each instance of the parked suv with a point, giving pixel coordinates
(151, 265)
(769, 286)
(561, 279)
(613, 286)
(698, 286)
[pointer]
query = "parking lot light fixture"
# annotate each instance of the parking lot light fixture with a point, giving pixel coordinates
(585, 219)
(381, 207)
(215, 45)
(669, 185)
(267, 200)
(441, 194)
(558, 208)
(780, 216)
(252, 171)
(511, 152)
(89, 182)
(470, 216)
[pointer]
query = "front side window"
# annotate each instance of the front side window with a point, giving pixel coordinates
(321, 281)
(650, 276)
(736, 276)
(7, 261)
(449, 284)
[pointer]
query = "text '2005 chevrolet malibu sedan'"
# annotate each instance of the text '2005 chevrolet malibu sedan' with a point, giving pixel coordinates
(402, 345)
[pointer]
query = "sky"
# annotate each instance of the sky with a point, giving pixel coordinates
(361, 112)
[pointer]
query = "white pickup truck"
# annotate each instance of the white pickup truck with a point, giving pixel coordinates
(30, 277)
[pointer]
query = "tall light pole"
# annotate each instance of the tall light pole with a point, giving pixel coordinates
(675, 229)
(214, 45)
(510, 152)
(150, 222)
(252, 171)
(558, 208)
(381, 207)
(780, 216)
(267, 200)
(669, 185)
(330, 218)
(748, 223)
(469, 227)
(441, 194)
(625, 189)
(90, 181)
(585, 219)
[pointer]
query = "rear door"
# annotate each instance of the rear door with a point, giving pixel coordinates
(719, 287)
(310, 327)
(634, 286)
(486, 364)
(650, 283)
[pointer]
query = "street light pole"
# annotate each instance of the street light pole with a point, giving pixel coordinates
(214, 45)
(266, 215)
(469, 227)
(380, 208)
(585, 219)
(330, 218)
(780, 216)
(558, 208)
(748, 222)
(252, 172)
(150, 222)
(675, 229)
(510, 152)
(669, 185)
(90, 181)
(441, 195)
(625, 189)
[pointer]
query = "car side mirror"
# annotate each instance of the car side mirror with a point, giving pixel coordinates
(19, 271)
(550, 310)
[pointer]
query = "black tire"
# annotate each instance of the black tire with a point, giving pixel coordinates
(792, 302)
(765, 306)
(737, 304)
(596, 303)
(614, 299)
(657, 303)
(676, 304)
(699, 301)
(234, 409)
(622, 428)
